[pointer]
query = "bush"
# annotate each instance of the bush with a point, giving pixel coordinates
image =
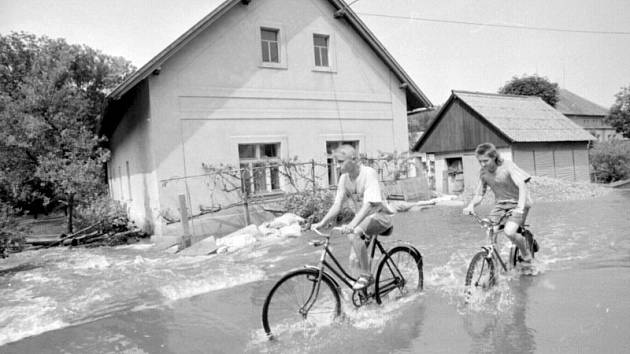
(311, 206)
(610, 161)
(11, 233)
(103, 209)
(314, 206)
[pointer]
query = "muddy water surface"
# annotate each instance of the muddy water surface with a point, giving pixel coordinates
(138, 300)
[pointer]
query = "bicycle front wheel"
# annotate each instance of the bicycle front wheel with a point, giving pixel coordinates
(515, 254)
(297, 302)
(481, 272)
(399, 273)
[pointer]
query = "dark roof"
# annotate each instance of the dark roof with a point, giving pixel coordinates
(415, 97)
(516, 118)
(572, 104)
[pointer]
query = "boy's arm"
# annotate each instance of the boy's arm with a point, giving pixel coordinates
(520, 179)
(522, 195)
(372, 200)
(365, 210)
(480, 190)
(332, 212)
(336, 207)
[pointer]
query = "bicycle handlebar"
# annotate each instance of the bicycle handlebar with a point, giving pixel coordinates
(485, 222)
(336, 228)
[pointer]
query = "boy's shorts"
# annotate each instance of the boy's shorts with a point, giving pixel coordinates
(375, 224)
(499, 210)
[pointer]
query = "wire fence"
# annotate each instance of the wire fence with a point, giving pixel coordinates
(236, 196)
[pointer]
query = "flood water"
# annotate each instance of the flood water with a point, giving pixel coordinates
(136, 299)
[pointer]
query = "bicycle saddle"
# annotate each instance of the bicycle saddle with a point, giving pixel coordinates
(387, 232)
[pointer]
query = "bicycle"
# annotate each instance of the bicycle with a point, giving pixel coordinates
(485, 260)
(312, 295)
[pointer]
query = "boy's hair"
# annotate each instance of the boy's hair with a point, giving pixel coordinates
(345, 152)
(490, 150)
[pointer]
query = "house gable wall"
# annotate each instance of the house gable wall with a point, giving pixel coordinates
(215, 88)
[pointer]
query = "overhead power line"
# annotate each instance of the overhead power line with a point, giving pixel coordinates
(530, 28)
(352, 2)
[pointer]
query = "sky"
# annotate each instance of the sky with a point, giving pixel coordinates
(444, 45)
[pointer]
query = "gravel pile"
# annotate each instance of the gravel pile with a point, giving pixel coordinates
(551, 189)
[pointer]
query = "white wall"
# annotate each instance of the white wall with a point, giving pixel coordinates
(214, 94)
(130, 170)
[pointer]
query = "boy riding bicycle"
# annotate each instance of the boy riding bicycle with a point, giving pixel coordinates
(372, 216)
(509, 184)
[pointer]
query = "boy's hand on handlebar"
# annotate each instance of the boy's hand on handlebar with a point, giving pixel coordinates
(346, 229)
(469, 210)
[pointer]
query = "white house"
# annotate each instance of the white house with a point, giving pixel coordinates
(252, 81)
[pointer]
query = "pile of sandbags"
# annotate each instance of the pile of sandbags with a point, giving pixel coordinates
(287, 225)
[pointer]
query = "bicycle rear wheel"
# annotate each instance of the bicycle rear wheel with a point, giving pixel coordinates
(295, 304)
(398, 274)
(481, 272)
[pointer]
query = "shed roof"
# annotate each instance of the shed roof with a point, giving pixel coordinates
(572, 104)
(518, 119)
(524, 118)
(415, 97)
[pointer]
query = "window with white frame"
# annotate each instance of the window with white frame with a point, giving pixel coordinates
(259, 165)
(320, 47)
(270, 45)
(333, 169)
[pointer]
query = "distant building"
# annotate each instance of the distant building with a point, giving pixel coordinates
(525, 130)
(586, 114)
(252, 84)
(418, 121)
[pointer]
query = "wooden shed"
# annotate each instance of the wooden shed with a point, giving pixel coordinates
(524, 129)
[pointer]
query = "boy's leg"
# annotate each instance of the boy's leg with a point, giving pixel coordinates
(511, 228)
(370, 226)
(360, 250)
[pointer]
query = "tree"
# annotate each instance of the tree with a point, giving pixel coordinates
(619, 116)
(533, 85)
(610, 160)
(52, 95)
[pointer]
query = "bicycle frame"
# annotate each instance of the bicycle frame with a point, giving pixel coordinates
(338, 269)
(492, 231)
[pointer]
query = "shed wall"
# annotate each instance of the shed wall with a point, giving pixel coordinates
(460, 129)
(563, 160)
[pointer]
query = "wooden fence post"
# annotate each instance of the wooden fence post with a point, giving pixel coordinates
(183, 211)
(313, 175)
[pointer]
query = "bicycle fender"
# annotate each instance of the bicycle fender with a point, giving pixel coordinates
(409, 247)
(325, 275)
